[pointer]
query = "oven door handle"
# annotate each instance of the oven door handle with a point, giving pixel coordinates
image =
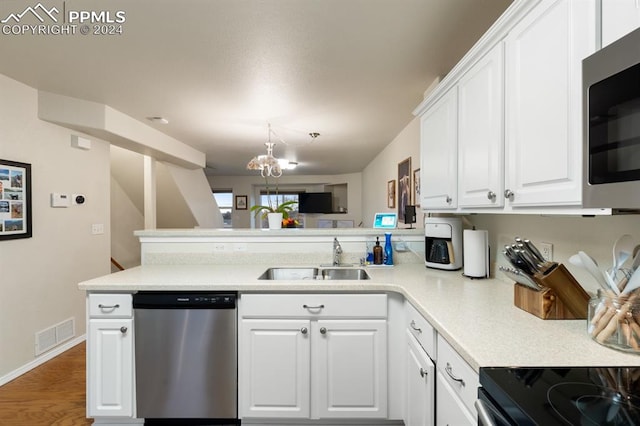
(484, 417)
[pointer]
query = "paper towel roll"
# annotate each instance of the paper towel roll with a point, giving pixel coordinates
(476, 253)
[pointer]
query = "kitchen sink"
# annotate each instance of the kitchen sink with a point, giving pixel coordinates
(343, 274)
(314, 274)
(289, 274)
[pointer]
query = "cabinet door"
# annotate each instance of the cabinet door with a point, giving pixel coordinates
(421, 379)
(544, 102)
(450, 410)
(350, 369)
(110, 368)
(480, 133)
(438, 153)
(619, 17)
(274, 368)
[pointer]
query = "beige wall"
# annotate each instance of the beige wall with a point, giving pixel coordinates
(384, 168)
(39, 275)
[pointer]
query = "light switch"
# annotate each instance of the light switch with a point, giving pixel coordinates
(60, 200)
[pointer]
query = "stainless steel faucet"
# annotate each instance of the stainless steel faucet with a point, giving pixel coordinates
(337, 251)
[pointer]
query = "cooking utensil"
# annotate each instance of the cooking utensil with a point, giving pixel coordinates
(622, 250)
(633, 284)
(534, 250)
(519, 277)
(591, 266)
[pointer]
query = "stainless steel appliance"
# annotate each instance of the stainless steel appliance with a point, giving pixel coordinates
(443, 242)
(587, 396)
(611, 125)
(186, 357)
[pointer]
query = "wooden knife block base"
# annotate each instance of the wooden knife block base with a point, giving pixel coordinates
(543, 303)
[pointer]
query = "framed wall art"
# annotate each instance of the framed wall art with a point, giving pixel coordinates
(416, 187)
(241, 202)
(391, 194)
(404, 187)
(15, 200)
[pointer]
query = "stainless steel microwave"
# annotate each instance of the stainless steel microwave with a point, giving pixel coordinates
(611, 125)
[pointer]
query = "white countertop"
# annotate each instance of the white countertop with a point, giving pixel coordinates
(477, 317)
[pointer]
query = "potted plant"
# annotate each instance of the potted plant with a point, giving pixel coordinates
(275, 212)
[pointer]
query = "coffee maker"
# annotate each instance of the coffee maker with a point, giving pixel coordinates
(443, 242)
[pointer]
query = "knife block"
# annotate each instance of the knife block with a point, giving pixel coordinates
(561, 297)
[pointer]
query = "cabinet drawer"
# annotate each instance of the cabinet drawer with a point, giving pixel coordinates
(110, 306)
(458, 374)
(421, 329)
(313, 305)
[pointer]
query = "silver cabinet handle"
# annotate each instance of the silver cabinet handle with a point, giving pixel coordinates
(101, 306)
(123, 330)
(413, 325)
(448, 199)
(449, 371)
(323, 330)
(313, 307)
(303, 330)
(491, 195)
(508, 194)
(423, 372)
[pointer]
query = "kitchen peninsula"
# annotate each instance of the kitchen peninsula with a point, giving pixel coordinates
(477, 318)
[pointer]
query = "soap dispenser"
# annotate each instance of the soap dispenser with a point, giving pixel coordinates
(377, 253)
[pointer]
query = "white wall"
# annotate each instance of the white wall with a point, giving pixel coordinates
(384, 168)
(251, 185)
(39, 275)
(125, 219)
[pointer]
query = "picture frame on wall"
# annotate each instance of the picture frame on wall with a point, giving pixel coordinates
(404, 187)
(416, 187)
(15, 200)
(391, 194)
(241, 202)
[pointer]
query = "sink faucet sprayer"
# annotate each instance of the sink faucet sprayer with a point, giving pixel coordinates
(337, 251)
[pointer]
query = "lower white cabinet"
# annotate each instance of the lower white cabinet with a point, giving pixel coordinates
(321, 362)
(110, 356)
(420, 385)
(110, 368)
(450, 411)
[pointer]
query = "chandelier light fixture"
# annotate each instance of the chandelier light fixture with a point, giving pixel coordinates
(269, 165)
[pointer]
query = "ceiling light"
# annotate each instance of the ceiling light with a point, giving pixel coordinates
(314, 135)
(160, 120)
(267, 164)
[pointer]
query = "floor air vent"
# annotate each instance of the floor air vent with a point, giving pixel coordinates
(54, 335)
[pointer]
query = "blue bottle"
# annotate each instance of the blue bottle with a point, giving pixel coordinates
(388, 250)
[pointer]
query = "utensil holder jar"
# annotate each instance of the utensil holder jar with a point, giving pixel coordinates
(614, 321)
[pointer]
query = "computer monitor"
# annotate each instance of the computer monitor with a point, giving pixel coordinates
(385, 220)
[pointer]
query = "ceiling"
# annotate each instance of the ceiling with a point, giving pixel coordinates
(221, 70)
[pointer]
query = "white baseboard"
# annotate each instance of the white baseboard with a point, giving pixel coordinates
(41, 359)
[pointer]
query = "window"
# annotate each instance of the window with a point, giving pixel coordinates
(281, 198)
(224, 199)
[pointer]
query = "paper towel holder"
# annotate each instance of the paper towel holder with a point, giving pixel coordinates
(476, 253)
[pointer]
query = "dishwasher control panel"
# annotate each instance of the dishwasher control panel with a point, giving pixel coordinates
(184, 300)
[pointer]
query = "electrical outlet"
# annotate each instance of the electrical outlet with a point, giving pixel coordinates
(546, 250)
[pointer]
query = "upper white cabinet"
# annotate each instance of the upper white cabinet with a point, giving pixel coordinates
(480, 132)
(544, 102)
(503, 131)
(439, 150)
(619, 17)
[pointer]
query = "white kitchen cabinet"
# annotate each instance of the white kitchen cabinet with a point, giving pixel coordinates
(450, 410)
(543, 136)
(313, 356)
(457, 385)
(110, 368)
(619, 17)
(110, 356)
(276, 364)
(438, 154)
(420, 385)
(350, 374)
(481, 133)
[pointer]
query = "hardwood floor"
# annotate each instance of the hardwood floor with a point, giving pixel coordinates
(52, 394)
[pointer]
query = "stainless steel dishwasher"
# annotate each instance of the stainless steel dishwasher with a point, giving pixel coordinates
(186, 357)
